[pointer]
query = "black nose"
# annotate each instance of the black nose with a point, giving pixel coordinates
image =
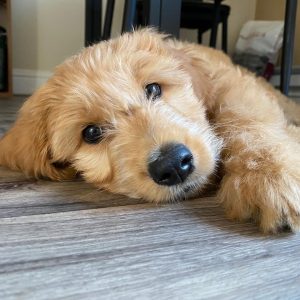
(173, 165)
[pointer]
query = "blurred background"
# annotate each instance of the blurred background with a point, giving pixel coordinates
(44, 33)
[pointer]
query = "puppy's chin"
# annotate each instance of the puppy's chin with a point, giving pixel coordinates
(189, 189)
(155, 193)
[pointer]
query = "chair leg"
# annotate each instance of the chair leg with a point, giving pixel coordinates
(214, 30)
(108, 19)
(151, 12)
(93, 9)
(224, 35)
(129, 15)
(288, 45)
(199, 36)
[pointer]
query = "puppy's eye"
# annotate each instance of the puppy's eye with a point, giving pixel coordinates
(92, 134)
(153, 90)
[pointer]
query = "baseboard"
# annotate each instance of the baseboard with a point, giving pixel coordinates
(25, 81)
(295, 80)
(295, 77)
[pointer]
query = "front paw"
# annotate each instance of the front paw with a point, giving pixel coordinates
(271, 197)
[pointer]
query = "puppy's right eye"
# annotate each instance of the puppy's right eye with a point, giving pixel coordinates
(153, 90)
(92, 134)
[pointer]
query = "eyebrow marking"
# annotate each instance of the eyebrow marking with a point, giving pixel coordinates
(131, 109)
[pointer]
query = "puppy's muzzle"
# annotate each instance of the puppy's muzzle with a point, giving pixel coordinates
(173, 165)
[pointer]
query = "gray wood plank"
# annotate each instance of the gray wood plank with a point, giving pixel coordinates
(166, 252)
(29, 196)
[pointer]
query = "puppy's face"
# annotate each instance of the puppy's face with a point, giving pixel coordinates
(125, 115)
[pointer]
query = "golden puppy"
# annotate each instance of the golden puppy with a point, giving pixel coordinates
(149, 117)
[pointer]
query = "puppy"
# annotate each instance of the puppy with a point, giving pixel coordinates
(150, 117)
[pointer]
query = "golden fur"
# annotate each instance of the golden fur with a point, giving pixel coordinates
(218, 110)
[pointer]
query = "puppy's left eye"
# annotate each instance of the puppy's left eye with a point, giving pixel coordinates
(153, 90)
(92, 134)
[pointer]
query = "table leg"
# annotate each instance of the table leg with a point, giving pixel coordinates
(288, 45)
(152, 12)
(110, 5)
(170, 17)
(93, 14)
(214, 30)
(129, 15)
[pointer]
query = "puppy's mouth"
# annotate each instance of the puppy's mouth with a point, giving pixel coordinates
(191, 187)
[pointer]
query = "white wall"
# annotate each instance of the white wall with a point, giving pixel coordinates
(45, 32)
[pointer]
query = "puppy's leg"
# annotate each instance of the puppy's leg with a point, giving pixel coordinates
(261, 156)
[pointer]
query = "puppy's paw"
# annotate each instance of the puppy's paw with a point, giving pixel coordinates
(270, 196)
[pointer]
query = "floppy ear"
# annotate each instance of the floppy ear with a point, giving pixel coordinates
(26, 145)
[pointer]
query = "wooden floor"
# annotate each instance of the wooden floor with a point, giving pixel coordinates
(69, 241)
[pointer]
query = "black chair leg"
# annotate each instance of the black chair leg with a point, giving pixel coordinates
(151, 13)
(93, 13)
(170, 18)
(108, 19)
(214, 30)
(129, 15)
(199, 36)
(288, 45)
(224, 35)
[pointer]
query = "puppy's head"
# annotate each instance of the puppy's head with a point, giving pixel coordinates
(126, 115)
